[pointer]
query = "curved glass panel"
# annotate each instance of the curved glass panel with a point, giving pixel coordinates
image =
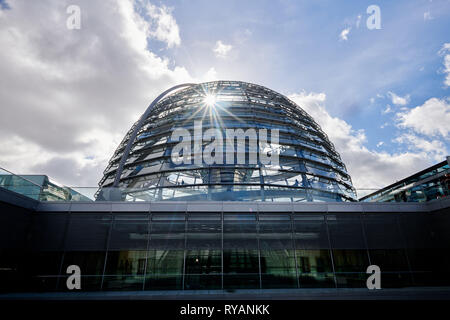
(229, 141)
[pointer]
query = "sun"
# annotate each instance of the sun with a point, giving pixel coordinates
(210, 100)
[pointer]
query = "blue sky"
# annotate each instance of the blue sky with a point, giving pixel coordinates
(295, 45)
(382, 95)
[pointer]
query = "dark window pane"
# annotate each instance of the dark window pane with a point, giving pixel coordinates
(316, 280)
(278, 269)
(389, 259)
(240, 261)
(310, 234)
(167, 217)
(88, 283)
(241, 281)
(382, 231)
(44, 283)
(395, 279)
(239, 217)
(88, 232)
(425, 264)
(45, 263)
(90, 262)
(123, 283)
(126, 262)
(203, 261)
(346, 231)
(314, 261)
(274, 217)
(202, 282)
(416, 230)
(165, 262)
(352, 280)
(47, 232)
(275, 235)
(129, 235)
(204, 235)
(167, 235)
(240, 234)
(164, 282)
(350, 260)
(204, 217)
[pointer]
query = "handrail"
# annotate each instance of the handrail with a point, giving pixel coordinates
(1, 168)
(41, 187)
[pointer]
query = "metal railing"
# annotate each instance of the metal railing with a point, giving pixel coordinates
(41, 188)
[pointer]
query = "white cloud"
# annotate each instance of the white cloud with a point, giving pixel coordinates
(69, 96)
(445, 52)
(344, 34)
(427, 16)
(434, 149)
(210, 75)
(387, 110)
(398, 100)
(221, 49)
(163, 25)
(379, 144)
(431, 118)
(368, 168)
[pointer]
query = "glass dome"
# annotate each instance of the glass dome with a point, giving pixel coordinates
(227, 141)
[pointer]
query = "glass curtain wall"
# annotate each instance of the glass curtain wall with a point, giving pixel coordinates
(208, 251)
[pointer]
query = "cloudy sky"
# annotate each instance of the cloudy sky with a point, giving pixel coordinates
(69, 95)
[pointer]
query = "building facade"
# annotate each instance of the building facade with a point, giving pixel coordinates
(222, 245)
(431, 183)
(184, 222)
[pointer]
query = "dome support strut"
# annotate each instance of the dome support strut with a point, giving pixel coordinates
(139, 125)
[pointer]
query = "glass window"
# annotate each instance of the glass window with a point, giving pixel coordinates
(346, 231)
(420, 249)
(123, 283)
(275, 235)
(203, 269)
(240, 234)
(164, 282)
(204, 235)
(352, 280)
(350, 260)
(310, 233)
(47, 231)
(129, 235)
(88, 232)
(88, 283)
(315, 268)
(167, 235)
(240, 261)
(126, 262)
(90, 262)
(382, 231)
(165, 262)
(239, 217)
(394, 267)
(45, 263)
(203, 261)
(278, 269)
(202, 281)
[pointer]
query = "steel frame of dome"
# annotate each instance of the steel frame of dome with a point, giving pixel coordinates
(309, 167)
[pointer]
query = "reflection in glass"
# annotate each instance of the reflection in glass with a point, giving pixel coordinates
(278, 269)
